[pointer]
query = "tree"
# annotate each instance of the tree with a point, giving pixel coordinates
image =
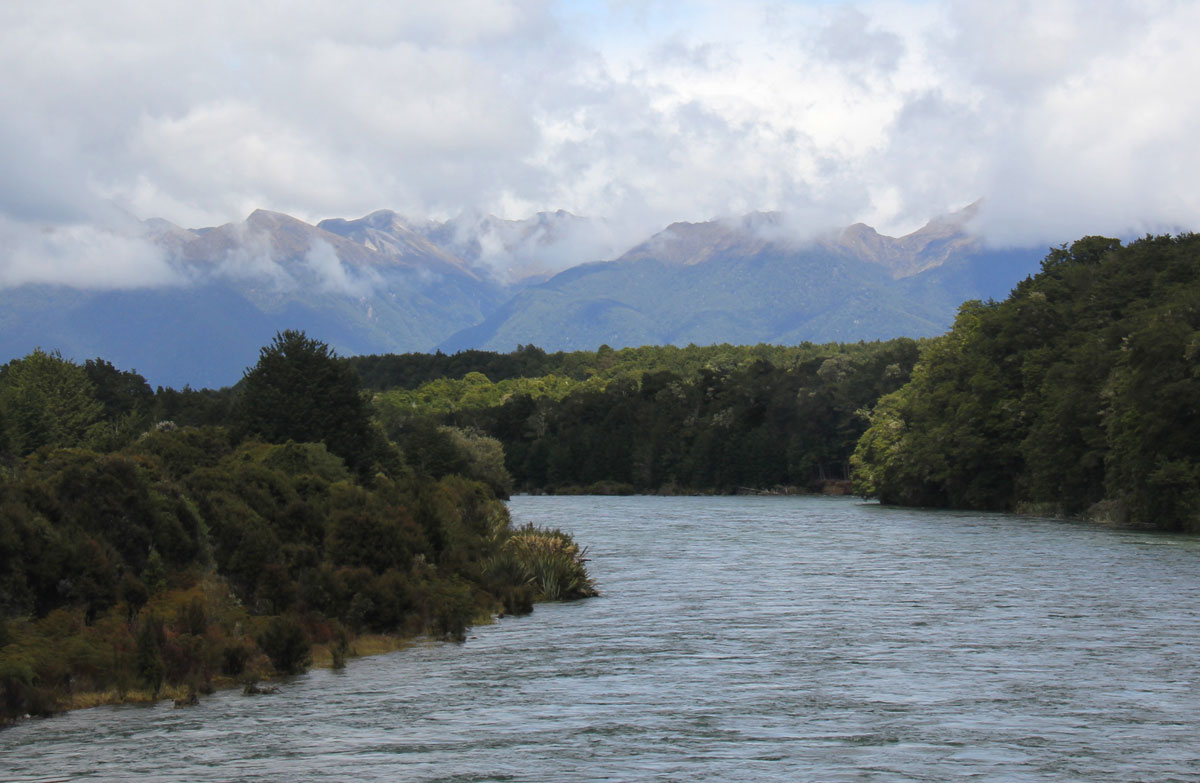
(47, 400)
(120, 393)
(1080, 393)
(300, 390)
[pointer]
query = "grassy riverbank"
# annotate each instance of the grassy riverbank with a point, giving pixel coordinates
(62, 662)
(323, 657)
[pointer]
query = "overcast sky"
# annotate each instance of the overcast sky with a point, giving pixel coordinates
(1068, 117)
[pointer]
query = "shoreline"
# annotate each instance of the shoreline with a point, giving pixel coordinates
(823, 487)
(365, 646)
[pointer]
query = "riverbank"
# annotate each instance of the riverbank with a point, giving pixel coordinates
(195, 639)
(323, 656)
(620, 489)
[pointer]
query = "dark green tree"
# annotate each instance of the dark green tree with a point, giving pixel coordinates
(120, 393)
(301, 391)
(148, 656)
(1079, 394)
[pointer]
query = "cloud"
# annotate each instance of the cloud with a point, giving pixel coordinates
(1066, 116)
(249, 255)
(849, 39)
(334, 276)
(81, 255)
(543, 244)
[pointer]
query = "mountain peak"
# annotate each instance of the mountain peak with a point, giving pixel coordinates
(267, 217)
(932, 245)
(390, 236)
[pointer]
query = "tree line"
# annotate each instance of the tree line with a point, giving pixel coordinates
(744, 425)
(1078, 394)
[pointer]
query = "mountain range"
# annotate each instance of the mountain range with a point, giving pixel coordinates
(389, 284)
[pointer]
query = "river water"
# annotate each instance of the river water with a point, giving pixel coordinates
(737, 639)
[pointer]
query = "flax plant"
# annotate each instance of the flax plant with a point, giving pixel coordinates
(548, 561)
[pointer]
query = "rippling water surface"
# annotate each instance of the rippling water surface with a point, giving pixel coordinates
(775, 639)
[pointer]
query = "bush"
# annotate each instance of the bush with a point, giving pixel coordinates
(286, 644)
(548, 561)
(234, 659)
(148, 658)
(20, 694)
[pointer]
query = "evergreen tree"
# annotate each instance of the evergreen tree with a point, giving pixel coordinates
(301, 391)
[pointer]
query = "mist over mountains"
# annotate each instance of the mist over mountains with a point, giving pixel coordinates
(388, 284)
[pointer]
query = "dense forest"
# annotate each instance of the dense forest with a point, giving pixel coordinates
(413, 370)
(656, 419)
(1078, 394)
(717, 418)
(744, 424)
(140, 556)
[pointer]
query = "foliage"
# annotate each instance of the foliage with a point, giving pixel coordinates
(119, 393)
(439, 451)
(181, 554)
(286, 644)
(47, 401)
(742, 422)
(188, 407)
(299, 391)
(474, 374)
(548, 561)
(1080, 391)
(475, 391)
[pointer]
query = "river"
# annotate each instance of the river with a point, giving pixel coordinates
(737, 639)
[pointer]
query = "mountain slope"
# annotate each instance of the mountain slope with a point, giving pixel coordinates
(383, 283)
(746, 281)
(239, 284)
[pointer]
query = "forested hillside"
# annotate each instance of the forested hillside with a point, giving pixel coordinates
(139, 555)
(696, 419)
(1079, 393)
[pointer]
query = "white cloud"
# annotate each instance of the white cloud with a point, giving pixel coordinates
(81, 255)
(249, 256)
(1066, 116)
(332, 275)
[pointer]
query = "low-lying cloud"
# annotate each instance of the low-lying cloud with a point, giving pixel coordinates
(85, 256)
(334, 276)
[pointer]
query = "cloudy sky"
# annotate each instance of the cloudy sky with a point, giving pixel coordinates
(1067, 117)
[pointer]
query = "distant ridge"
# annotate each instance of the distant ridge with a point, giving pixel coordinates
(384, 283)
(748, 281)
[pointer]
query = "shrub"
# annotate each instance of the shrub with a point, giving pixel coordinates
(286, 644)
(549, 561)
(19, 692)
(147, 658)
(234, 658)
